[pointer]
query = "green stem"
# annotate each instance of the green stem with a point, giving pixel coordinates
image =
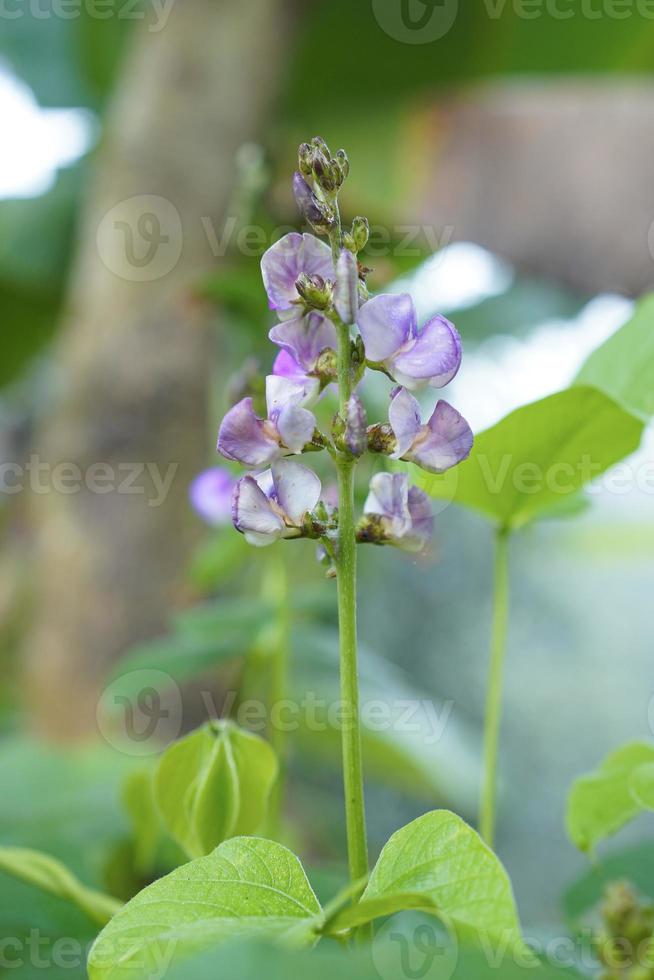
(495, 686)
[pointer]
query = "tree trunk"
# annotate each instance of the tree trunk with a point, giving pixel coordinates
(132, 363)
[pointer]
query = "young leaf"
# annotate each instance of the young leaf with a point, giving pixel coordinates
(603, 801)
(538, 455)
(623, 366)
(438, 863)
(247, 887)
(51, 876)
(214, 784)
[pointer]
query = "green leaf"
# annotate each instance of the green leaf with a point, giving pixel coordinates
(247, 887)
(214, 784)
(623, 366)
(538, 455)
(439, 863)
(602, 802)
(138, 799)
(52, 876)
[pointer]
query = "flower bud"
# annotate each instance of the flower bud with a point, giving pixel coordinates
(305, 158)
(326, 368)
(343, 164)
(319, 215)
(360, 232)
(381, 439)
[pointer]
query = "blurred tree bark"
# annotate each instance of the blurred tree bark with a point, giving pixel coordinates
(133, 361)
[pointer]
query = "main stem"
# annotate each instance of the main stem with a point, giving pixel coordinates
(495, 686)
(279, 592)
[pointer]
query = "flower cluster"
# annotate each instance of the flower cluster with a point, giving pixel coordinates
(318, 292)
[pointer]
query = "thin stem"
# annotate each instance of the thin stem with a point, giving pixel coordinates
(495, 686)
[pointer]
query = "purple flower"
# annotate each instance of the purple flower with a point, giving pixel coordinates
(285, 366)
(346, 291)
(402, 513)
(443, 442)
(283, 263)
(274, 504)
(389, 328)
(211, 495)
(245, 437)
(305, 338)
(355, 435)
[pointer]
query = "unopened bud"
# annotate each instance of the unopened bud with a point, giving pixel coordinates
(355, 436)
(326, 366)
(360, 232)
(315, 291)
(305, 156)
(343, 164)
(381, 439)
(316, 212)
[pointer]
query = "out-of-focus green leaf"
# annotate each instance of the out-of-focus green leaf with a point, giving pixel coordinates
(602, 802)
(218, 559)
(49, 875)
(537, 455)
(411, 741)
(214, 784)
(138, 799)
(438, 862)
(635, 865)
(623, 366)
(248, 886)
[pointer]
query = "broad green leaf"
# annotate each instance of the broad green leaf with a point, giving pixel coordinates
(52, 876)
(623, 366)
(247, 887)
(602, 802)
(138, 799)
(538, 455)
(438, 862)
(214, 784)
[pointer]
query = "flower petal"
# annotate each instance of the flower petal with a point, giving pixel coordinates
(211, 495)
(295, 426)
(297, 488)
(435, 356)
(304, 337)
(422, 521)
(388, 497)
(386, 323)
(253, 514)
(445, 441)
(404, 417)
(283, 262)
(281, 391)
(355, 435)
(346, 291)
(243, 436)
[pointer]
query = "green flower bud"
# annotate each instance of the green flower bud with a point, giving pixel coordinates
(360, 232)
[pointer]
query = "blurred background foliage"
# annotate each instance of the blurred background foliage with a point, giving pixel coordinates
(580, 636)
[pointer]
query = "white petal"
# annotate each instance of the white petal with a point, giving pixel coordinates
(297, 488)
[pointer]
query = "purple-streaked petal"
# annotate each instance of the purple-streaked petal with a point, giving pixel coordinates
(297, 488)
(283, 262)
(404, 417)
(281, 392)
(253, 514)
(305, 199)
(435, 356)
(304, 337)
(346, 291)
(211, 495)
(245, 438)
(386, 323)
(388, 497)
(355, 436)
(445, 441)
(285, 366)
(295, 426)
(422, 521)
